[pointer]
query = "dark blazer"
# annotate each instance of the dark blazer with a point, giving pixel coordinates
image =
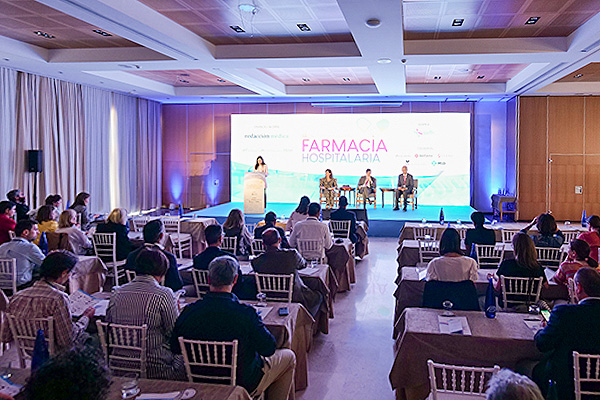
(572, 327)
(202, 260)
(22, 211)
(258, 231)
(172, 278)
(221, 317)
(289, 261)
(245, 287)
(363, 179)
(342, 214)
(410, 182)
(124, 246)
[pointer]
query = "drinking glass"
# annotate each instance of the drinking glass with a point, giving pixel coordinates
(129, 386)
(447, 305)
(262, 300)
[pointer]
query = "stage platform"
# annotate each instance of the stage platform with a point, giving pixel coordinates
(383, 222)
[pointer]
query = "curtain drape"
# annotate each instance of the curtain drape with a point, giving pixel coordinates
(85, 134)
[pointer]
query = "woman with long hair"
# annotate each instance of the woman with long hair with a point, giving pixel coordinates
(592, 237)
(67, 223)
(235, 226)
(548, 233)
(260, 166)
(299, 214)
(452, 265)
(578, 257)
(525, 263)
(327, 187)
(80, 207)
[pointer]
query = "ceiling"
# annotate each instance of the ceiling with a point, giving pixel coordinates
(299, 50)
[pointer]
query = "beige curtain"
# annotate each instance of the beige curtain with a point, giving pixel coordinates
(8, 127)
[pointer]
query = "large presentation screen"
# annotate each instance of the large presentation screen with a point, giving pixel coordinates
(297, 149)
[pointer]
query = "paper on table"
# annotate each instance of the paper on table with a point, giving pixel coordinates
(159, 396)
(422, 274)
(534, 324)
(454, 325)
(263, 311)
(79, 301)
(246, 269)
(309, 271)
(9, 388)
(101, 308)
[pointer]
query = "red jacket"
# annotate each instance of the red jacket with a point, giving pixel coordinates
(6, 224)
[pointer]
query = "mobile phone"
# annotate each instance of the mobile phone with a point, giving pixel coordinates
(283, 311)
(545, 315)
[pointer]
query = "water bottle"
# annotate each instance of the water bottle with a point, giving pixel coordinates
(43, 243)
(180, 210)
(490, 300)
(442, 216)
(584, 222)
(40, 351)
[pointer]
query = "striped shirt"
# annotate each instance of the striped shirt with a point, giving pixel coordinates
(144, 301)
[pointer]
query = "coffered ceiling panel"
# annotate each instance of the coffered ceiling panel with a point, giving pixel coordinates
(321, 76)
(465, 73)
(182, 78)
(589, 73)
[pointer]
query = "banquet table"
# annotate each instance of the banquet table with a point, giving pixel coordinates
(504, 341)
(89, 275)
(196, 227)
(340, 258)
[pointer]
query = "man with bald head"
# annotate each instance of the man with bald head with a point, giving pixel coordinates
(405, 187)
(276, 260)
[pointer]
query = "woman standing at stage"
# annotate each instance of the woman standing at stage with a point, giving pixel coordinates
(327, 187)
(261, 167)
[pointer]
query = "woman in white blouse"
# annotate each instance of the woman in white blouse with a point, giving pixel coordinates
(299, 214)
(67, 223)
(451, 266)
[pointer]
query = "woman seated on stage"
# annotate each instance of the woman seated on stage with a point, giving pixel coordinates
(117, 223)
(234, 226)
(548, 233)
(451, 266)
(327, 187)
(299, 214)
(67, 223)
(525, 263)
(578, 257)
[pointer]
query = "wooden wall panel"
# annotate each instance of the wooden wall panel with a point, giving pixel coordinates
(174, 154)
(565, 125)
(591, 190)
(566, 171)
(592, 125)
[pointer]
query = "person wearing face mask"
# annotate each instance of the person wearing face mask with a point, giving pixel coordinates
(17, 197)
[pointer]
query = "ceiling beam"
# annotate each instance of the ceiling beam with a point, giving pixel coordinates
(486, 46)
(286, 50)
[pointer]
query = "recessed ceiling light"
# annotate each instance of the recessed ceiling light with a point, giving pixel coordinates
(373, 22)
(346, 79)
(578, 76)
(480, 76)
(221, 80)
(303, 27)
(183, 80)
(458, 21)
(237, 28)
(184, 74)
(306, 79)
(6, 59)
(384, 60)
(129, 66)
(60, 72)
(532, 20)
(437, 77)
(44, 34)
(101, 32)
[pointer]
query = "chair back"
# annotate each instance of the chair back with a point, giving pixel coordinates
(520, 291)
(424, 233)
(508, 234)
(340, 229)
(428, 250)
(124, 347)
(203, 357)
(570, 235)
(12, 235)
(257, 247)
(8, 274)
(415, 184)
(311, 249)
(24, 332)
(489, 255)
(277, 287)
(466, 382)
(549, 256)
(250, 228)
(130, 275)
(587, 375)
(59, 241)
(463, 295)
(139, 221)
(571, 287)
(105, 247)
(172, 223)
(200, 281)
(462, 232)
(229, 244)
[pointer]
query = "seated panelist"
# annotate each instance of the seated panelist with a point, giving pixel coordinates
(405, 188)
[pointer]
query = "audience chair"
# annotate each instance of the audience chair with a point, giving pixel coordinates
(570, 235)
(489, 255)
(428, 250)
(323, 199)
(8, 274)
(412, 198)
(340, 229)
(24, 332)
(139, 221)
(201, 356)
(59, 241)
(12, 235)
(130, 275)
(463, 295)
(124, 347)
(277, 287)
(105, 247)
(458, 382)
(549, 256)
(200, 281)
(183, 241)
(311, 250)
(229, 244)
(250, 228)
(424, 233)
(3, 306)
(571, 287)
(587, 375)
(257, 247)
(462, 232)
(508, 234)
(361, 200)
(518, 292)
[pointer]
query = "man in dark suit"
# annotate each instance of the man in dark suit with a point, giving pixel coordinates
(366, 186)
(405, 187)
(572, 327)
(276, 260)
(479, 235)
(271, 222)
(342, 214)
(17, 197)
(153, 234)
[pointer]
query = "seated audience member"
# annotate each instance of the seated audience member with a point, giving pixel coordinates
(234, 226)
(214, 239)
(276, 260)
(153, 232)
(299, 214)
(80, 207)
(341, 214)
(508, 385)
(525, 263)
(451, 266)
(312, 228)
(117, 223)
(29, 256)
(54, 200)
(47, 298)
(67, 223)
(271, 222)
(479, 235)
(17, 197)
(578, 257)
(219, 316)
(46, 218)
(592, 237)
(572, 327)
(7, 222)
(145, 301)
(76, 374)
(548, 234)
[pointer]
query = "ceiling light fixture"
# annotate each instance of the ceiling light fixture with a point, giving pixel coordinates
(101, 32)
(183, 81)
(480, 76)
(249, 8)
(373, 22)
(458, 21)
(532, 20)
(346, 79)
(44, 34)
(578, 76)
(221, 80)
(437, 77)
(303, 27)
(384, 60)
(248, 11)
(237, 28)
(306, 79)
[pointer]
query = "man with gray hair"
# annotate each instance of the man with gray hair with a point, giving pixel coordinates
(220, 316)
(508, 385)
